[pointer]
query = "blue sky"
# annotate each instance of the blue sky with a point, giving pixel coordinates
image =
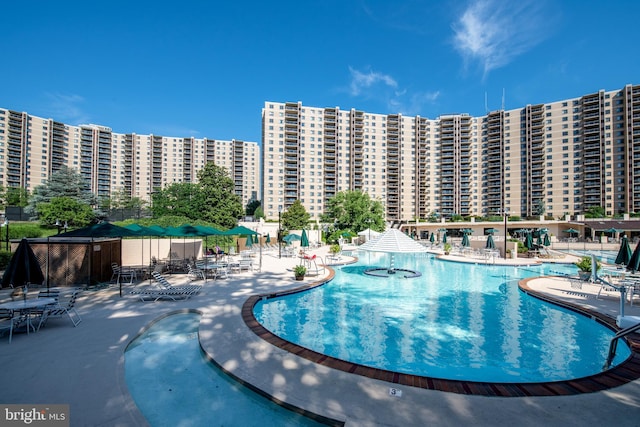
(205, 69)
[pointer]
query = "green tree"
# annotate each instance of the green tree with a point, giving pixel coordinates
(219, 203)
(211, 200)
(65, 209)
(252, 206)
(595, 212)
(296, 217)
(354, 211)
(177, 199)
(258, 213)
(65, 182)
(16, 196)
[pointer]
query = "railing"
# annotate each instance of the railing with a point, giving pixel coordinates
(614, 344)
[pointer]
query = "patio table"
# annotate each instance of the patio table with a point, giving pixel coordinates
(25, 306)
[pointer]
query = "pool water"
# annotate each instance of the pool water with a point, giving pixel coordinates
(456, 321)
(174, 384)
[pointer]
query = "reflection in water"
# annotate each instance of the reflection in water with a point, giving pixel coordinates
(457, 321)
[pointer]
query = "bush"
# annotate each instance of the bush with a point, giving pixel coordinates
(585, 264)
(334, 249)
(5, 257)
(299, 270)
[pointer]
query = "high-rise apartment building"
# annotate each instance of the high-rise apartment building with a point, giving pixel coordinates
(541, 159)
(32, 148)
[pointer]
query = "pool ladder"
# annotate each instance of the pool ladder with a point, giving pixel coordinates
(614, 344)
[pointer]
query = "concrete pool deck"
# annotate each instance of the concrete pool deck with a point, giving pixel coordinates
(84, 366)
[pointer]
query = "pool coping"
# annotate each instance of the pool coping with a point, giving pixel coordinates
(625, 372)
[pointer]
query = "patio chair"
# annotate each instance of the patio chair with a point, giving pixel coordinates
(10, 320)
(59, 310)
(195, 273)
(119, 273)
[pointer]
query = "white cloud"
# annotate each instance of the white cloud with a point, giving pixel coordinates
(385, 89)
(66, 108)
(361, 81)
(493, 32)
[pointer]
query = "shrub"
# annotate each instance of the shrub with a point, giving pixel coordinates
(585, 264)
(299, 270)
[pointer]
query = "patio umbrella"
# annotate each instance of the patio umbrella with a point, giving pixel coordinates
(528, 241)
(444, 238)
(240, 230)
(491, 230)
(624, 253)
(571, 231)
(432, 238)
(539, 240)
(546, 240)
(23, 269)
(289, 238)
(256, 239)
(465, 240)
(304, 240)
(249, 242)
(268, 239)
(634, 262)
(613, 231)
(103, 229)
(490, 243)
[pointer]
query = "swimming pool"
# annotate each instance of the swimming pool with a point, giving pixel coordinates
(457, 321)
(174, 384)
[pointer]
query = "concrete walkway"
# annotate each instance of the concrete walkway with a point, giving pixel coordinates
(84, 366)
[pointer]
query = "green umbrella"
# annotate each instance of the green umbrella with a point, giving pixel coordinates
(624, 253)
(539, 240)
(249, 242)
(571, 231)
(528, 242)
(491, 230)
(268, 240)
(240, 230)
(546, 241)
(103, 229)
(432, 239)
(490, 243)
(290, 238)
(444, 238)
(256, 239)
(634, 262)
(613, 231)
(304, 240)
(465, 240)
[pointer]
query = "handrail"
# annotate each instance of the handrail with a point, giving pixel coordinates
(614, 343)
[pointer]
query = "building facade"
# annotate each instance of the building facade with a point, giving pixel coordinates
(32, 148)
(551, 159)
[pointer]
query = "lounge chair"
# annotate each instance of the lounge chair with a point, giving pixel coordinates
(165, 290)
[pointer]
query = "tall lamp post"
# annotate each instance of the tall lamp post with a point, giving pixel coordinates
(279, 232)
(5, 224)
